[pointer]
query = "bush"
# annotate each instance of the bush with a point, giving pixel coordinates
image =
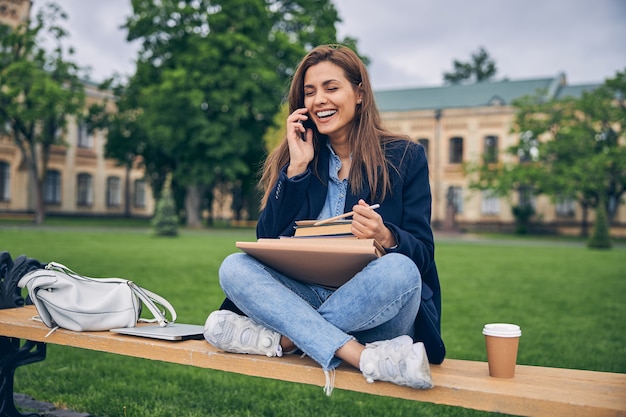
(522, 216)
(165, 220)
(601, 238)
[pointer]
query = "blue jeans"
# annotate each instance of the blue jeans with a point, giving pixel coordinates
(379, 303)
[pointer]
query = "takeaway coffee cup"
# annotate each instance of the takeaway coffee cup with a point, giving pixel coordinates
(502, 340)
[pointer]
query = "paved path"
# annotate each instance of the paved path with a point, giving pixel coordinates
(29, 404)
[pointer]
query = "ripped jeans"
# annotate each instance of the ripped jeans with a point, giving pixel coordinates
(378, 303)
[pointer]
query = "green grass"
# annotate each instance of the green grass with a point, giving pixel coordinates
(569, 301)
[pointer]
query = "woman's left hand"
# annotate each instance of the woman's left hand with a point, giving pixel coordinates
(368, 224)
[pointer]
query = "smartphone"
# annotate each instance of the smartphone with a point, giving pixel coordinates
(308, 124)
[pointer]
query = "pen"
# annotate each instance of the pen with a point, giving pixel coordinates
(342, 216)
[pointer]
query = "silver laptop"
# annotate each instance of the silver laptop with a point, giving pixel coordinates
(173, 331)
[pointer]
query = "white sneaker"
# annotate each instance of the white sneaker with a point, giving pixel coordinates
(239, 334)
(397, 360)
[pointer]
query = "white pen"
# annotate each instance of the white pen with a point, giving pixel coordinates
(342, 216)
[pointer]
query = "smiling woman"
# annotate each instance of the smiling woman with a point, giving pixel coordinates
(342, 160)
(331, 102)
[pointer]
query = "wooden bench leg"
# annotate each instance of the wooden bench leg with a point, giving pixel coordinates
(12, 356)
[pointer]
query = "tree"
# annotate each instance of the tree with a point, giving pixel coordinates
(210, 76)
(480, 68)
(569, 148)
(38, 91)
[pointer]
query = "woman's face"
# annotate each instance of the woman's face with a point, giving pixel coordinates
(330, 99)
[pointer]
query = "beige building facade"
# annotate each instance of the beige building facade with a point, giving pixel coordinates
(79, 180)
(456, 124)
(14, 12)
(464, 123)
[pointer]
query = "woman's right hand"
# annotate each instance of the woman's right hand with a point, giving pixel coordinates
(301, 150)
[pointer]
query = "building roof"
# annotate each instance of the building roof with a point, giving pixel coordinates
(491, 93)
(576, 90)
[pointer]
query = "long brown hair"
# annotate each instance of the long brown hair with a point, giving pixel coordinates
(365, 138)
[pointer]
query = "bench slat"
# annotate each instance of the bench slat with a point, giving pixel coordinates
(535, 391)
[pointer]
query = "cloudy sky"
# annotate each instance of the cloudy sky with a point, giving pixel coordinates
(410, 43)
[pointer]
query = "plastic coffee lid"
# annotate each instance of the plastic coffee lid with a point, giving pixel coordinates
(502, 330)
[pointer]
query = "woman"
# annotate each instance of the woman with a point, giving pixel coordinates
(335, 158)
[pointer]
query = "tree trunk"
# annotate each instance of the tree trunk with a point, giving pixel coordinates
(127, 193)
(584, 225)
(193, 200)
(40, 207)
(38, 181)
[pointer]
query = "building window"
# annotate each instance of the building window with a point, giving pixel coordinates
(424, 143)
(455, 197)
(5, 181)
(565, 206)
(456, 150)
(139, 198)
(52, 187)
(114, 192)
(491, 149)
(85, 140)
(490, 204)
(84, 190)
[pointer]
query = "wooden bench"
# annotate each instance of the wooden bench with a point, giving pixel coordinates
(535, 391)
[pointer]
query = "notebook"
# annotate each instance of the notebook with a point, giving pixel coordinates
(326, 261)
(173, 331)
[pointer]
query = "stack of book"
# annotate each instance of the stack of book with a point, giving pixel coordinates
(321, 258)
(337, 228)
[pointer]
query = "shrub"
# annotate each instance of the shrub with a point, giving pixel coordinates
(165, 220)
(522, 215)
(601, 238)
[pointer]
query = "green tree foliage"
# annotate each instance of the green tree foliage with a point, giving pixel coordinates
(124, 137)
(570, 148)
(39, 89)
(275, 133)
(481, 67)
(210, 77)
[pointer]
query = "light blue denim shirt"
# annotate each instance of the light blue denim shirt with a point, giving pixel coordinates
(337, 189)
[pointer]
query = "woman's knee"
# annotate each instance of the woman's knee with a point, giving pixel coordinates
(231, 269)
(402, 269)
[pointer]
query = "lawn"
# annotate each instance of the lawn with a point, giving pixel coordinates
(569, 301)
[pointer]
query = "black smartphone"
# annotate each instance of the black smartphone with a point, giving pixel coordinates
(308, 124)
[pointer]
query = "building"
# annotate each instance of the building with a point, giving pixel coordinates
(79, 180)
(456, 124)
(14, 12)
(461, 123)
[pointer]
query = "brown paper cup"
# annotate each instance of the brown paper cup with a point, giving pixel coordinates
(502, 341)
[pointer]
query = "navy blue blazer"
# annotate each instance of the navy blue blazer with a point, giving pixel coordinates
(406, 211)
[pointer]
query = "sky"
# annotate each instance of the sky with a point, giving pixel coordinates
(411, 43)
